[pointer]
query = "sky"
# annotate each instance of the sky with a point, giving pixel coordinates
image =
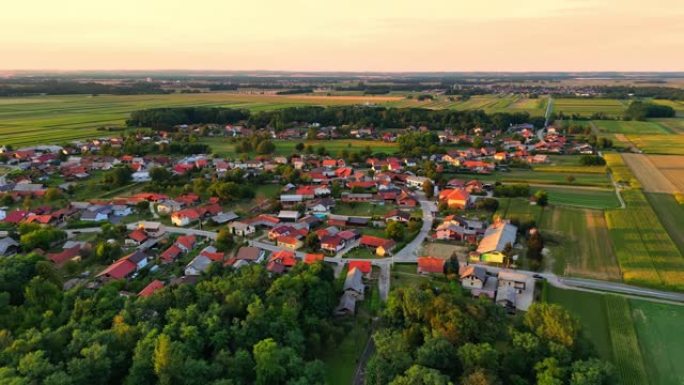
(343, 35)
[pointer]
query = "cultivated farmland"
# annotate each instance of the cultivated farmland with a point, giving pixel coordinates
(628, 358)
(587, 107)
(646, 253)
(621, 173)
(224, 147)
(630, 127)
(672, 167)
(648, 174)
(579, 243)
(674, 124)
(593, 198)
(658, 144)
(671, 214)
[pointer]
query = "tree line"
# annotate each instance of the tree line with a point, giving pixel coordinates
(357, 116)
(68, 87)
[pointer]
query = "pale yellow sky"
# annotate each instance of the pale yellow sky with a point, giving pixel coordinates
(344, 35)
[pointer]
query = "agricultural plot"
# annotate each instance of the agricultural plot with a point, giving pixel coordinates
(671, 214)
(570, 169)
(55, 119)
(659, 144)
(672, 167)
(677, 105)
(650, 328)
(546, 178)
(519, 209)
(579, 243)
(628, 359)
(592, 198)
(649, 175)
(620, 171)
(587, 107)
(673, 124)
(644, 249)
(630, 127)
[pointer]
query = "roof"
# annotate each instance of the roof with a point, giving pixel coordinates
(369, 240)
(354, 280)
(287, 258)
(364, 266)
(64, 255)
(187, 241)
(171, 253)
(431, 265)
(248, 253)
(331, 241)
(288, 240)
(138, 235)
(312, 258)
(151, 288)
(188, 213)
(120, 269)
(497, 236)
(472, 270)
(136, 256)
(348, 234)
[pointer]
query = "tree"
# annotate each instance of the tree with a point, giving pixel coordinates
(429, 189)
(119, 176)
(166, 360)
(312, 242)
(160, 175)
(265, 147)
(552, 322)
(300, 146)
(570, 178)
(268, 359)
(142, 207)
(590, 372)
(420, 375)
(535, 246)
(224, 240)
(542, 198)
(395, 230)
(52, 194)
(478, 356)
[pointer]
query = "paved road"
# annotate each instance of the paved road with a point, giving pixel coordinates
(410, 252)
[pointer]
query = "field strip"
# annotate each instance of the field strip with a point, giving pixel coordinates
(628, 358)
(651, 179)
(672, 167)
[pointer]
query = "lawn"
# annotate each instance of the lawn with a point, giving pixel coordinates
(363, 209)
(405, 275)
(224, 147)
(640, 338)
(630, 127)
(520, 209)
(585, 198)
(579, 244)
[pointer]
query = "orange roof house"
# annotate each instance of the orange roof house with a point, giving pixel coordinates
(455, 198)
(151, 288)
(430, 265)
(364, 266)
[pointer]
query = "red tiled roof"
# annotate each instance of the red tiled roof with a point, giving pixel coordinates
(369, 240)
(170, 254)
(138, 236)
(15, 216)
(151, 288)
(119, 269)
(64, 255)
(364, 266)
(287, 258)
(189, 213)
(431, 265)
(187, 241)
(288, 240)
(216, 257)
(312, 258)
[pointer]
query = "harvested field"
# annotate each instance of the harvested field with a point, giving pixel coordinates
(672, 167)
(648, 174)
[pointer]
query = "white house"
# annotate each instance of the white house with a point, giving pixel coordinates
(141, 176)
(416, 181)
(122, 210)
(241, 229)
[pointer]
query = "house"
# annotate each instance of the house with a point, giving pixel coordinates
(137, 237)
(201, 262)
(141, 176)
(280, 231)
(94, 216)
(281, 261)
(455, 198)
(139, 258)
(120, 269)
(250, 254)
(430, 265)
(171, 254)
(184, 217)
(122, 210)
(382, 246)
(151, 288)
(496, 237)
(397, 216)
(416, 181)
(353, 283)
(332, 243)
(515, 290)
(473, 277)
(241, 229)
(224, 217)
(289, 242)
(168, 207)
(152, 229)
(15, 216)
(347, 305)
(364, 267)
(8, 246)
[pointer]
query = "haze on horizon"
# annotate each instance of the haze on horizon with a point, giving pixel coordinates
(350, 35)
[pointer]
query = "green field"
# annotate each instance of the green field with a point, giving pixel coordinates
(671, 214)
(644, 249)
(224, 147)
(581, 197)
(673, 124)
(630, 127)
(659, 144)
(587, 107)
(520, 209)
(55, 119)
(487, 103)
(534, 177)
(579, 244)
(363, 209)
(640, 338)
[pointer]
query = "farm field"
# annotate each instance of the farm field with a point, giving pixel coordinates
(672, 167)
(671, 214)
(630, 127)
(224, 147)
(646, 253)
(592, 198)
(570, 169)
(674, 124)
(587, 107)
(639, 334)
(579, 244)
(488, 103)
(659, 144)
(620, 171)
(520, 209)
(544, 178)
(677, 105)
(55, 119)
(649, 175)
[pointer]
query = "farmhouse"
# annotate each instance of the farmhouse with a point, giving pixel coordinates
(495, 239)
(382, 246)
(430, 265)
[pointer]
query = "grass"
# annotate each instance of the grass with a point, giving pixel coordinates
(579, 243)
(640, 338)
(571, 169)
(405, 275)
(341, 360)
(364, 209)
(673, 124)
(645, 251)
(534, 177)
(224, 147)
(659, 144)
(671, 215)
(587, 107)
(520, 209)
(630, 127)
(585, 198)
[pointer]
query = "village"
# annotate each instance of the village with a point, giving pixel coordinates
(361, 217)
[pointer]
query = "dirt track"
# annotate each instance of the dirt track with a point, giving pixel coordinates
(652, 180)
